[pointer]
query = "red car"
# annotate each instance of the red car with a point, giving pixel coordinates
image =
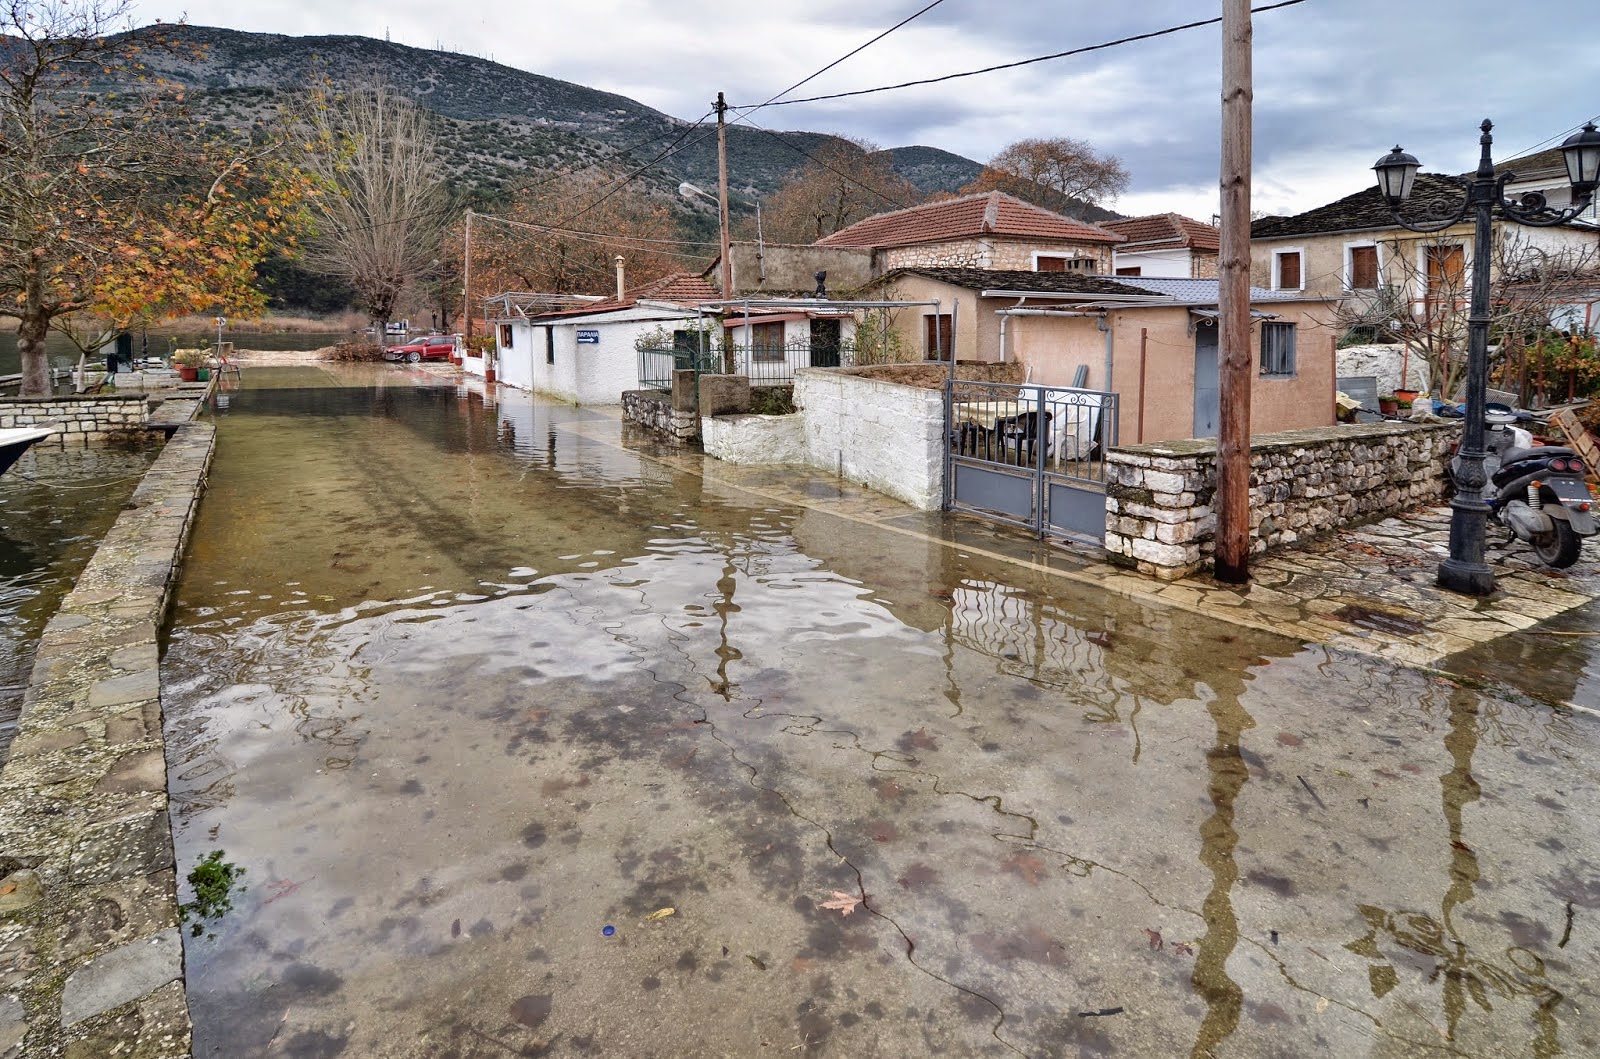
(433, 347)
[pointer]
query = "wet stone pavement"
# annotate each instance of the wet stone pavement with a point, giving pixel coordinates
(463, 681)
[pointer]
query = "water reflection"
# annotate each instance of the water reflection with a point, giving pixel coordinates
(507, 679)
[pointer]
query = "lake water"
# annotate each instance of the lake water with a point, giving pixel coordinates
(59, 346)
(534, 741)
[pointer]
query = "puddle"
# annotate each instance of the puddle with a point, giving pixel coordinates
(464, 681)
(1364, 617)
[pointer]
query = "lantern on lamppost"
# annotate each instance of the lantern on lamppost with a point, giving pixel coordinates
(1464, 570)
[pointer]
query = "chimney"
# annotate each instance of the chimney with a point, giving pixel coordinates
(619, 277)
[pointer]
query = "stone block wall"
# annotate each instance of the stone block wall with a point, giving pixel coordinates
(78, 420)
(652, 410)
(1385, 363)
(1159, 515)
(992, 253)
(91, 961)
(885, 435)
(755, 439)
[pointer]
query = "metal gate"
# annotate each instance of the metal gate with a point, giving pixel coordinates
(1030, 456)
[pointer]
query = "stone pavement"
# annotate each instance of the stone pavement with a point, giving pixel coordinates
(90, 959)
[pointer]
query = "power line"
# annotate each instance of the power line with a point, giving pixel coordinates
(626, 242)
(1546, 142)
(1013, 65)
(849, 54)
(781, 138)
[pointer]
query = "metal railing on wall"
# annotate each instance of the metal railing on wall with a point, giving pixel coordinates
(763, 365)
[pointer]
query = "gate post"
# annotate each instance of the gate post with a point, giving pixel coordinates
(945, 446)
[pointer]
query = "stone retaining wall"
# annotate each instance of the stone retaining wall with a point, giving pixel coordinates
(652, 409)
(91, 961)
(77, 420)
(755, 438)
(1159, 514)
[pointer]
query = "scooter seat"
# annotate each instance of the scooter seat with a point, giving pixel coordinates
(1537, 452)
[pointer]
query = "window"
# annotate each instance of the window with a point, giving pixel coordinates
(1363, 268)
(937, 337)
(1132, 270)
(505, 336)
(766, 342)
(1286, 272)
(1277, 349)
(549, 345)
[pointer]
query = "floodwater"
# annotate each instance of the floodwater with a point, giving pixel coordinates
(476, 689)
(58, 345)
(55, 506)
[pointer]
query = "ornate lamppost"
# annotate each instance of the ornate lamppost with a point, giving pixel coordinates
(1465, 571)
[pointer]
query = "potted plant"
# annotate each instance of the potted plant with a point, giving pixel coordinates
(1388, 404)
(187, 362)
(1405, 396)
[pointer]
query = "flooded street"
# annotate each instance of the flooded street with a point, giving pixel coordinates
(476, 689)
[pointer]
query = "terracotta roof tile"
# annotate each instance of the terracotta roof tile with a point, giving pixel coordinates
(987, 213)
(1164, 230)
(681, 288)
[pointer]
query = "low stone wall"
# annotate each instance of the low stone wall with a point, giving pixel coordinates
(77, 420)
(1159, 514)
(933, 376)
(91, 961)
(754, 439)
(886, 435)
(652, 410)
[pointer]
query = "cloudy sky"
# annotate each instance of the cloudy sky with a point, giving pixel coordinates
(1337, 82)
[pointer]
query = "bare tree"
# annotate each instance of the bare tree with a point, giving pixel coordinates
(845, 182)
(1426, 296)
(1059, 173)
(383, 206)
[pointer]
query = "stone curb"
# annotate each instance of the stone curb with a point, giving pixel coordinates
(91, 961)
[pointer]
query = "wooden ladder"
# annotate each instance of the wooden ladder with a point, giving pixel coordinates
(1580, 440)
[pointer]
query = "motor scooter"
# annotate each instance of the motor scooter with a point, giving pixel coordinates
(1537, 493)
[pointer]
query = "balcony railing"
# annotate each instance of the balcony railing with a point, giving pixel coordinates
(763, 365)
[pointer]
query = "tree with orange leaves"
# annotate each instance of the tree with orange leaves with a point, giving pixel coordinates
(113, 206)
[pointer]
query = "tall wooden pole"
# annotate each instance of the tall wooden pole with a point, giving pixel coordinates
(722, 193)
(1232, 500)
(466, 278)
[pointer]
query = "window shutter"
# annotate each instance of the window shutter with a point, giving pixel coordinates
(1289, 271)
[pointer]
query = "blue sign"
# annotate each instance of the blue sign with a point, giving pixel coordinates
(588, 338)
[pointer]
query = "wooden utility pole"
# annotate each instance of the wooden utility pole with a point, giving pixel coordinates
(466, 278)
(1232, 500)
(722, 193)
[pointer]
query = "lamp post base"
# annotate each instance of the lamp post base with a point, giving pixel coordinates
(1467, 578)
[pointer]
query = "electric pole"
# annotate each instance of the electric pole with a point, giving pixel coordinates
(1232, 499)
(722, 193)
(466, 278)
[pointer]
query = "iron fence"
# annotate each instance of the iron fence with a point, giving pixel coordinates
(762, 364)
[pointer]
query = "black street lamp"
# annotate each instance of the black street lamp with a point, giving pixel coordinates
(1465, 571)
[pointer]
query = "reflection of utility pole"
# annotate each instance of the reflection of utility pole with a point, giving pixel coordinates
(1233, 301)
(466, 279)
(722, 193)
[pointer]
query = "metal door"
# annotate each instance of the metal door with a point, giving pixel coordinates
(1207, 389)
(825, 343)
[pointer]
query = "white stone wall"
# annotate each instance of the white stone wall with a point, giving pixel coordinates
(885, 435)
(1383, 362)
(77, 420)
(754, 439)
(1159, 515)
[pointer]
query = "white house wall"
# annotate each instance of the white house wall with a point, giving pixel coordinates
(589, 374)
(1157, 264)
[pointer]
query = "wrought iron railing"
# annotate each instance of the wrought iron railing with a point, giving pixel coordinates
(763, 365)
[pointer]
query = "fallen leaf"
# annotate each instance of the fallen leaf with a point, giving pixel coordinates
(8, 888)
(1182, 948)
(1155, 938)
(844, 903)
(660, 913)
(1026, 866)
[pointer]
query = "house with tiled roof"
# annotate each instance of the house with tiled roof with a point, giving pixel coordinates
(990, 230)
(1164, 244)
(1152, 340)
(1352, 247)
(587, 354)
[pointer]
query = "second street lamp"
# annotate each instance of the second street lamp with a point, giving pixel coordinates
(1465, 570)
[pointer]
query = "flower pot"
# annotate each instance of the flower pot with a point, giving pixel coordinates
(188, 373)
(202, 374)
(1405, 397)
(1388, 405)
